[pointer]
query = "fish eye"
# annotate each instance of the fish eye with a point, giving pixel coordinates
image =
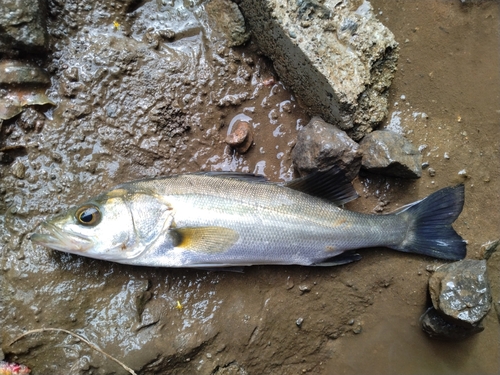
(88, 215)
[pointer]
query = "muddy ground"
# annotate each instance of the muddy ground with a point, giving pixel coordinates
(127, 110)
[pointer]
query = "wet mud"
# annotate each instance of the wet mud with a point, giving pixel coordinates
(126, 109)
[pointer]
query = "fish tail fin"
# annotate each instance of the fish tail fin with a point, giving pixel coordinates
(430, 231)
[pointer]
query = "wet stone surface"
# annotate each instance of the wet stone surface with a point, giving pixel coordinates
(439, 327)
(240, 137)
(23, 27)
(321, 145)
(461, 298)
(389, 153)
(460, 291)
(22, 84)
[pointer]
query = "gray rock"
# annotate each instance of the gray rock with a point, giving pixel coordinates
(391, 154)
(226, 19)
(23, 26)
(337, 57)
(321, 145)
(460, 291)
(230, 369)
(438, 327)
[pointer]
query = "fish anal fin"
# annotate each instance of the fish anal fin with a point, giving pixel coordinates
(210, 239)
(332, 185)
(344, 258)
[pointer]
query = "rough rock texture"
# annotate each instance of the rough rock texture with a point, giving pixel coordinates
(23, 26)
(21, 84)
(391, 154)
(335, 56)
(225, 18)
(321, 145)
(438, 327)
(460, 291)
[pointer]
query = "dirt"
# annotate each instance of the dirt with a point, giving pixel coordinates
(127, 110)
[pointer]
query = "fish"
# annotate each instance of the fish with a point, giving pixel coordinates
(228, 219)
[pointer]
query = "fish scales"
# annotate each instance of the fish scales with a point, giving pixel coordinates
(219, 220)
(276, 225)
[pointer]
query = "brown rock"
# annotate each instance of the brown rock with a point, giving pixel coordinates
(241, 137)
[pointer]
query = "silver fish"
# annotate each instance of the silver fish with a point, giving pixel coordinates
(215, 219)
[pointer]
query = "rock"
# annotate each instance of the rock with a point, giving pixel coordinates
(15, 72)
(488, 248)
(339, 59)
(226, 19)
(460, 291)
(18, 169)
(23, 26)
(391, 154)
(230, 369)
(22, 84)
(241, 137)
(436, 326)
(321, 145)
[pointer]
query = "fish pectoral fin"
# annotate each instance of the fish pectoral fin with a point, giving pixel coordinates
(205, 239)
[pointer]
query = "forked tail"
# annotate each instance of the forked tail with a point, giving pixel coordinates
(429, 229)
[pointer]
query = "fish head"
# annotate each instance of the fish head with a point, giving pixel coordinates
(115, 226)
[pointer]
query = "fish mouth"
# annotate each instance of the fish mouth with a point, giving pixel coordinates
(62, 240)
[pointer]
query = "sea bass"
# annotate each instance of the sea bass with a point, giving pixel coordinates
(226, 219)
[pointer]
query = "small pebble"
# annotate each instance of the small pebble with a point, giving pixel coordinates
(299, 322)
(241, 137)
(304, 288)
(432, 172)
(18, 169)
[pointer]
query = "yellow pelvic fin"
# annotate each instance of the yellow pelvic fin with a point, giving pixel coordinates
(206, 239)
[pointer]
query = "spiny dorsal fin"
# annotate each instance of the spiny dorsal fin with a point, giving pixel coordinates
(332, 185)
(249, 177)
(206, 239)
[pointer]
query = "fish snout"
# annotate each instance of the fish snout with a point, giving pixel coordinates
(60, 239)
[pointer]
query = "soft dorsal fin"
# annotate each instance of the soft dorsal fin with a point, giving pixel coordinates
(332, 185)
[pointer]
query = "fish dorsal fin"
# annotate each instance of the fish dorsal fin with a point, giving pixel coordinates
(332, 185)
(207, 240)
(249, 177)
